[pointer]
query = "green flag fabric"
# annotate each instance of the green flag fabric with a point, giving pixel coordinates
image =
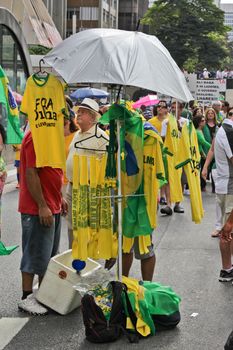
(7, 250)
(135, 221)
(14, 134)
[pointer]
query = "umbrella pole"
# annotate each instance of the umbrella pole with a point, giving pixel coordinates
(119, 204)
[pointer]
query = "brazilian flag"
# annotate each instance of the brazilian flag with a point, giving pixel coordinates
(135, 220)
(14, 134)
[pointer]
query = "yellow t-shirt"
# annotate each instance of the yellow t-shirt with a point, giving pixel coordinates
(17, 151)
(153, 170)
(189, 158)
(171, 146)
(44, 104)
(156, 123)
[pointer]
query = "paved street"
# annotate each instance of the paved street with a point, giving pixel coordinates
(187, 259)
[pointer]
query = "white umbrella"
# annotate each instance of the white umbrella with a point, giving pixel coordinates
(119, 57)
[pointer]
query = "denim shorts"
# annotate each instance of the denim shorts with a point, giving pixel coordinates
(39, 243)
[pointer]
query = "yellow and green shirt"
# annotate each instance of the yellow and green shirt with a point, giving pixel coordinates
(189, 158)
(44, 104)
(171, 148)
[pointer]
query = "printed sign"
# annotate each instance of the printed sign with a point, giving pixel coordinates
(205, 90)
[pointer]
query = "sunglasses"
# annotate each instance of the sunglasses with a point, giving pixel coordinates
(162, 106)
(230, 114)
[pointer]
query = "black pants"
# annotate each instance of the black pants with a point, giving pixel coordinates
(203, 182)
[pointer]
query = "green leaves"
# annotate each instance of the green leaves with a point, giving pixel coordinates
(192, 31)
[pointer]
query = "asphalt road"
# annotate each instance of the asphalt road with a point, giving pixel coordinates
(188, 260)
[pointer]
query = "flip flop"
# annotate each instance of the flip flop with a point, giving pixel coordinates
(215, 233)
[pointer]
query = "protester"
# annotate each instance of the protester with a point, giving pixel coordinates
(204, 173)
(91, 144)
(41, 205)
(217, 105)
(209, 131)
(223, 152)
(225, 107)
(219, 74)
(70, 127)
(225, 73)
(204, 146)
(160, 115)
(205, 74)
(197, 112)
(146, 112)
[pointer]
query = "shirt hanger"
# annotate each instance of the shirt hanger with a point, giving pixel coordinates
(41, 73)
(90, 137)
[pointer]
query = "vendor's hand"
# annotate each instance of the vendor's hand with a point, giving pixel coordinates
(204, 173)
(109, 263)
(225, 233)
(64, 207)
(46, 216)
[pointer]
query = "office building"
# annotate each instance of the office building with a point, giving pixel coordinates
(57, 10)
(228, 18)
(130, 11)
(87, 14)
(35, 21)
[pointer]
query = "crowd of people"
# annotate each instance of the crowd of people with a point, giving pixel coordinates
(220, 74)
(214, 128)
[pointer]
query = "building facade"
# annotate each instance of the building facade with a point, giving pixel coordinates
(57, 11)
(87, 14)
(228, 18)
(130, 11)
(35, 21)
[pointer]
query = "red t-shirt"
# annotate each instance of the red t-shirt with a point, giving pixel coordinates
(50, 179)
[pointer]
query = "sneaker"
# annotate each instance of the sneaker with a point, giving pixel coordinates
(162, 201)
(178, 209)
(32, 307)
(167, 210)
(225, 276)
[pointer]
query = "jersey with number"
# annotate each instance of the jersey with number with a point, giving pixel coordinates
(189, 158)
(171, 148)
(44, 104)
(153, 170)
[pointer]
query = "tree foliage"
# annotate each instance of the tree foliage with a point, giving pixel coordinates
(38, 50)
(193, 31)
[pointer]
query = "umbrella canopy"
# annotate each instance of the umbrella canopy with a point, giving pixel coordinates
(88, 92)
(148, 100)
(119, 57)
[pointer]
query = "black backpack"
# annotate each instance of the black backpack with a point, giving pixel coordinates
(97, 328)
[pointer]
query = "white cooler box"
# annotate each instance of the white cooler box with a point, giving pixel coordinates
(56, 290)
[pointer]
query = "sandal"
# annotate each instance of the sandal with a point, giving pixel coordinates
(162, 201)
(215, 233)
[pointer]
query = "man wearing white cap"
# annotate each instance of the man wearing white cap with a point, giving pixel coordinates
(87, 116)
